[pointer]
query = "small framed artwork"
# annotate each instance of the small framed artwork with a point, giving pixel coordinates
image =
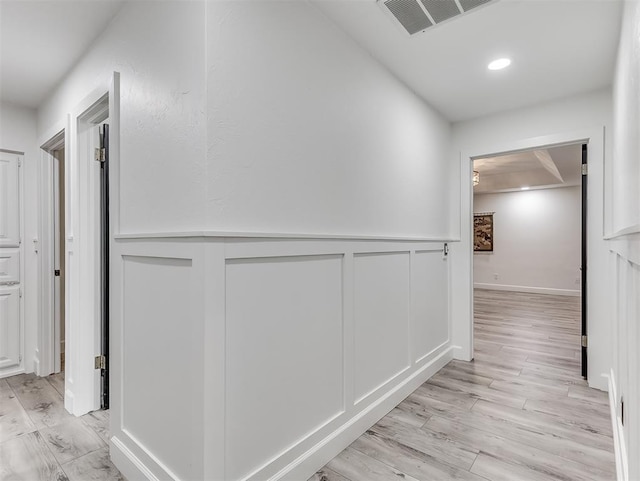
(483, 232)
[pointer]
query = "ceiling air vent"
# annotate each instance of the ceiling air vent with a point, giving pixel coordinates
(418, 15)
(409, 14)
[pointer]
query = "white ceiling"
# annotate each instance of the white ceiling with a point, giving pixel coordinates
(41, 40)
(558, 48)
(535, 169)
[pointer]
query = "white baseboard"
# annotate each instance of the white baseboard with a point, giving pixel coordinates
(619, 442)
(12, 372)
(128, 463)
(461, 354)
(334, 443)
(532, 290)
(134, 468)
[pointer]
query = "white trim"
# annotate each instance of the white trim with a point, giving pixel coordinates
(533, 290)
(334, 443)
(7, 151)
(47, 339)
(274, 235)
(619, 442)
(634, 229)
(128, 463)
(46, 295)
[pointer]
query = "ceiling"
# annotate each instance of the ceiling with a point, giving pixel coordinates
(558, 48)
(533, 169)
(40, 41)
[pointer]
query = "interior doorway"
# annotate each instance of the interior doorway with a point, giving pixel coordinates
(529, 238)
(75, 238)
(58, 204)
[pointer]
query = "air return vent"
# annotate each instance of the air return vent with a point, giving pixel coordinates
(409, 14)
(418, 15)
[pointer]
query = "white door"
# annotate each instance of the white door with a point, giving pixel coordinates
(10, 355)
(10, 272)
(9, 200)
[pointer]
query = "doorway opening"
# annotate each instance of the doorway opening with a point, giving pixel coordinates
(529, 256)
(74, 329)
(53, 210)
(59, 258)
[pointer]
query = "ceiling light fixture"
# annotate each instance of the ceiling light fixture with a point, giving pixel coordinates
(499, 64)
(476, 178)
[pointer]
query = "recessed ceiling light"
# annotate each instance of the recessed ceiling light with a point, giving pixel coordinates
(499, 64)
(526, 187)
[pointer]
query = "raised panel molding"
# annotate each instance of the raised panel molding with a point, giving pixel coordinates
(270, 355)
(284, 345)
(9, 327)
(9, 200)
(430, 300)
(381, 319)
(162, 362)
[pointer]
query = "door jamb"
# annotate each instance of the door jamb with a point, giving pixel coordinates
(47, 335)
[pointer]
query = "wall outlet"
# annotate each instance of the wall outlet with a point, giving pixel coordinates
(577, 281)
(495, 276)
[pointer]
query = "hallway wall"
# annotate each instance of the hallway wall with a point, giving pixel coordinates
(624, 248)
(536, 241)
(255, 181)
(326, 142)
(18, 132)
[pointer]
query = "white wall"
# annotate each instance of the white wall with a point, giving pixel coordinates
(536, 241)
(307, 134)
(582, 117)
(18, 133)
(319, 145)
(624, 257)
(626, 136)
(159, 50)
(300, 133)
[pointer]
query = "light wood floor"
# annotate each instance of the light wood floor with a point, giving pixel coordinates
(519, 411)
(40, 441)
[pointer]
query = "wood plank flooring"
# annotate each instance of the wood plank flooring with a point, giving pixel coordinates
(519, 411)
(40, 441)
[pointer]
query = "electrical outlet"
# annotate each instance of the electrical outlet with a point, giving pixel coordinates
(577, 281)
(495, 276)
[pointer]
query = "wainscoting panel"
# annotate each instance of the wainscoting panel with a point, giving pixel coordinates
(161, 362)
(284, 331)
(262, 358)
(624, 382)
(381, 319)
(430, 296)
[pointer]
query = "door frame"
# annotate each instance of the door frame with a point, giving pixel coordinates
(82, 282)
(48, 333)
(462, 315)
(583, 234)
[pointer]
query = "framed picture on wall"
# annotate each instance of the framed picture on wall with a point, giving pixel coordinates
(483, 232)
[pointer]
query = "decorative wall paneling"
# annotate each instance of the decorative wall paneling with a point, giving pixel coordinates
(624, 380)
(270, 355)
